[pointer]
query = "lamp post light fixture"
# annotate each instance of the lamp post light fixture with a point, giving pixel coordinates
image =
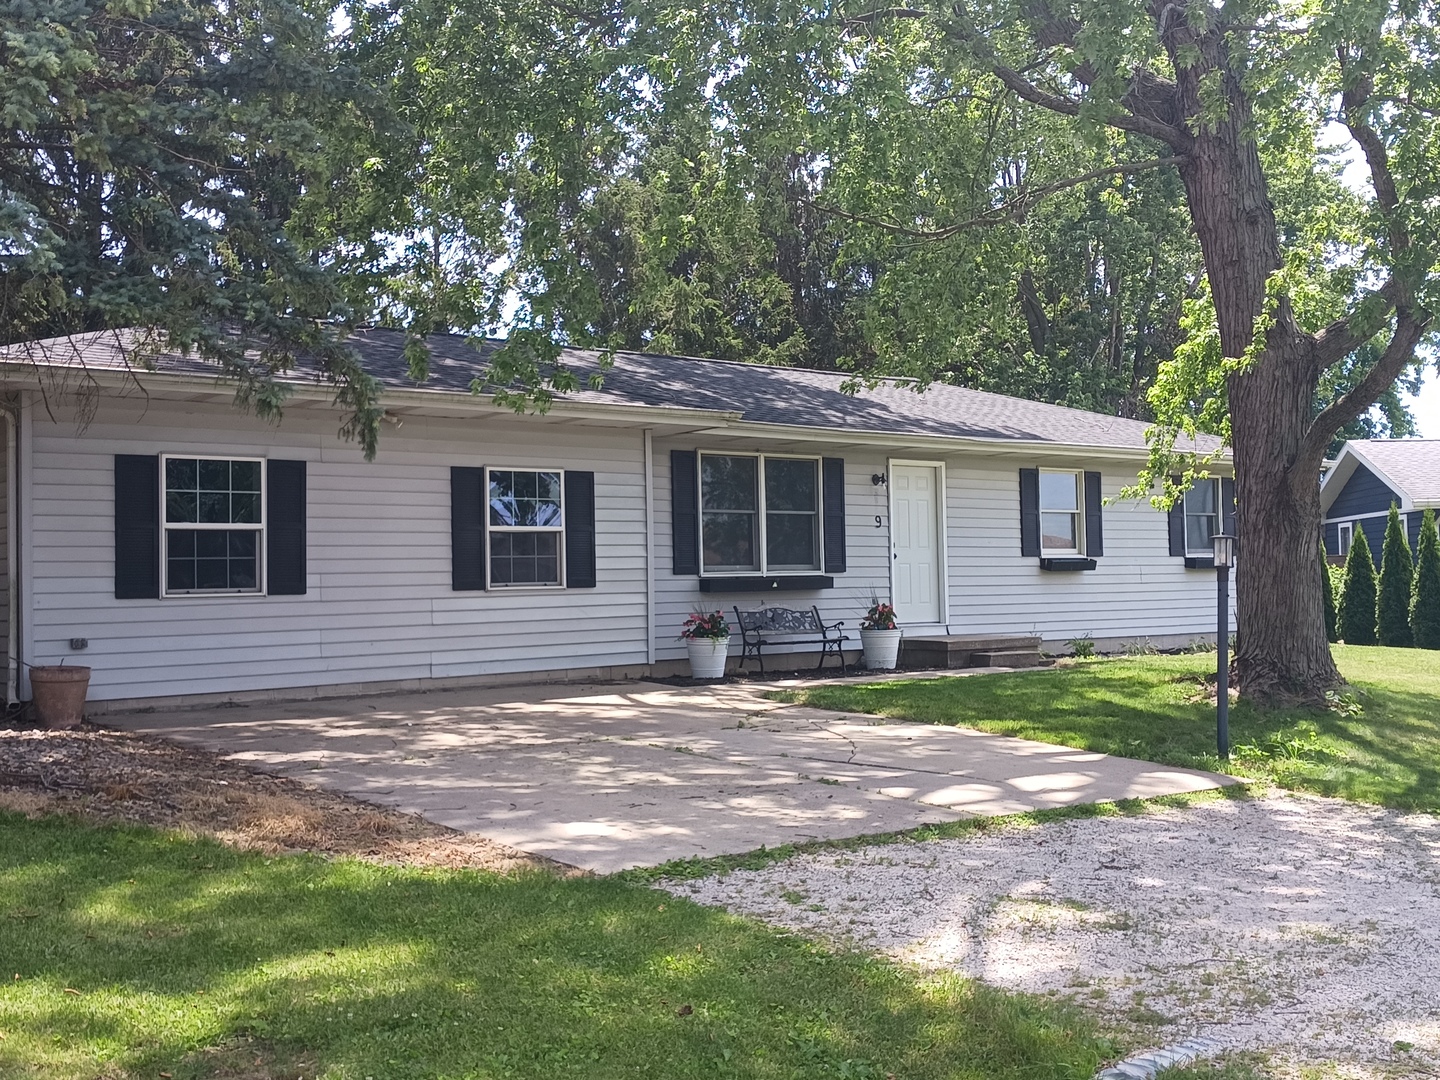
(1223, 546)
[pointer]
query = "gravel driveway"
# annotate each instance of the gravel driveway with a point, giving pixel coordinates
(1304, 927)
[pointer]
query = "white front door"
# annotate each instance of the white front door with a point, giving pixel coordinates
(915, 537)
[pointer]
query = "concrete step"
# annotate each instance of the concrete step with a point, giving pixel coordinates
(958, 650)
(1015, 658)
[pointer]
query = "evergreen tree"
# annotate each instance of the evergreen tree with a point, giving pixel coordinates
(1357, 598)
(1397, 582)
(1327, 584)
(1425, 601)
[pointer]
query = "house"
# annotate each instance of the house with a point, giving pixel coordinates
(187, 551)
(1367, 477)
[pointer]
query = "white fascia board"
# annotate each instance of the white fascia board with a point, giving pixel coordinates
(157, 383)
(939, 444)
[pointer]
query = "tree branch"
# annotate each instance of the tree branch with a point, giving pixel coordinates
(1049, 30)
(1348, 333)
(1354, 101)
(1016, 204)
(869, 18)
(1410, 326)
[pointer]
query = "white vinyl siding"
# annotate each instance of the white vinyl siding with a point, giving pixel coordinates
(380, 605)
(1136, 591)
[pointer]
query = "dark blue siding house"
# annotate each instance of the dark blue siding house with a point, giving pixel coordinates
(1370, 475)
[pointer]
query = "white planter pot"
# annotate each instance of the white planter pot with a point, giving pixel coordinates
(882, 649)
(707, 657)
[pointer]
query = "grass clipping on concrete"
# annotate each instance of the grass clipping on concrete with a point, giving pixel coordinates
(130, 952)
(1379, 743)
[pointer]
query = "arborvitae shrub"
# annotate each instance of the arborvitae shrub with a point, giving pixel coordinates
(1357, 598)
(1397, 584)
(1327, 590)
(1425, 600)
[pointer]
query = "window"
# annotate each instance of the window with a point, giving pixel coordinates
(1347, 536)
(214, 521)
(1202, 517)
(527, 523)
(1060, 512)
(759, 514)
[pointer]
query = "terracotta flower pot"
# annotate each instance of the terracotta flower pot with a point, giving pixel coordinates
(59, 695)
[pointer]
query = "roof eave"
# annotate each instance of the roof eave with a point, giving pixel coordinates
(922, 441)
(701, 421)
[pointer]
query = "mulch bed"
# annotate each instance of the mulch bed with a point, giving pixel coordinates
(105, 776)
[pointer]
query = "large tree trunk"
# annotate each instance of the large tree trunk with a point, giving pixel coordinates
(1282, 654)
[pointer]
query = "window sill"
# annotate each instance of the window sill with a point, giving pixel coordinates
(213, 594)
(763, 583)
(1199, 562)
(1071, 563)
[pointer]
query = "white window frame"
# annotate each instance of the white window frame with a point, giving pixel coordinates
(1345, 538)
(261, 567)
(1078, 475)
(491, 529)
(1218, 515)
(761, 530)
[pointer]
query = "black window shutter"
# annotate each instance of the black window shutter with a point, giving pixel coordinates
(1094, 523)
(467, 528)
(1177, 524)
(285, 528)
(1227, 504)
(684, 513)
(832, 496)
(137, 526)
(1030, 513)
(579, 530)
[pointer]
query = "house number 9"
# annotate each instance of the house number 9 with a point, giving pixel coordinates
(878, 523)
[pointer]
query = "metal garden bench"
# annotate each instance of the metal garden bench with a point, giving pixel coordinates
(785, 626)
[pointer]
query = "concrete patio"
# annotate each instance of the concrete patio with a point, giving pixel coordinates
(635, 774)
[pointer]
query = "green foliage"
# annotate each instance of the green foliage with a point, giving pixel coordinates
(744, 203)
(152, 155)
(1358, 594)
(1397, 584)
(1162, 708)
(131, 952)
(1425, 602)
(1327, 586)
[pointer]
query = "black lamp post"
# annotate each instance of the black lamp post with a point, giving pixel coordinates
(1224, 549)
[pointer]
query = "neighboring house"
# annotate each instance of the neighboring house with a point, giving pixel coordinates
(183, 548)
(1369, 475)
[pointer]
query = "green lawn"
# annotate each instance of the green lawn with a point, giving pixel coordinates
(1381, 744)
(190, 959)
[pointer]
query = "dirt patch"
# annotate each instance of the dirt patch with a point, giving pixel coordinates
(101, 775)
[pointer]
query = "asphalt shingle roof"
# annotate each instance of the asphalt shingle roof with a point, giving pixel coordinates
(1413, 464)
(794, 397)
